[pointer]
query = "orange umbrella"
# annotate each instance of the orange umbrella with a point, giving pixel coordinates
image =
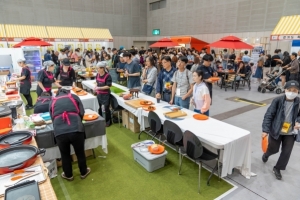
(165, 42)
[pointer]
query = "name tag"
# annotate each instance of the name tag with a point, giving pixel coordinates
(177, 92)
(285, 127)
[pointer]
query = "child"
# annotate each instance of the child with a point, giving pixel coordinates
(201, 98)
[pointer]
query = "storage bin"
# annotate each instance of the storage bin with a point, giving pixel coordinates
(150, 162)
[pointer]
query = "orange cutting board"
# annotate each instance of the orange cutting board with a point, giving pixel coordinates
(135, 103)
(175, 114)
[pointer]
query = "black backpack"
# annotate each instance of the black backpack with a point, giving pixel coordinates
(42, 103)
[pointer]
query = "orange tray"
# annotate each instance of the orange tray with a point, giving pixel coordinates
(146, 108)
(200, 117)
(83, 93)
(156, 149)
(214, 79)
(145, 103)
(90, 117)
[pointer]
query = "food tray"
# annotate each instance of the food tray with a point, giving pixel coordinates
(40, 178)
(175, 114)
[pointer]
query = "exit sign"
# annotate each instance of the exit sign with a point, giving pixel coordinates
(156, 32)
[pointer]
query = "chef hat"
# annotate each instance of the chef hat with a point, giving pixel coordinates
(47, 64)
(21, 60)
(101, 64)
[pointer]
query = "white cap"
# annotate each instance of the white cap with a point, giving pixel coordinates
(48, 63)
(21, 60)
(121, 55)
(101, 64)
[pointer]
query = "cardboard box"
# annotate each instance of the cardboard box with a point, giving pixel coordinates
(88, 153)
(125, 119)
(52, 168)
(134, 126)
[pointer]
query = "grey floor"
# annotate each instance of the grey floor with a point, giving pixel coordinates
(264, 185)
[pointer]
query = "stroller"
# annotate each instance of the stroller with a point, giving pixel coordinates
(271, 84)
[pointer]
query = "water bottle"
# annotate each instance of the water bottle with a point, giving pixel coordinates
(103, 111)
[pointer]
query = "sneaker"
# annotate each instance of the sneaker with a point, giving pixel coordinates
(64, 177)
(277, 173)
(88, 171)
(264, 158)
(29, 107)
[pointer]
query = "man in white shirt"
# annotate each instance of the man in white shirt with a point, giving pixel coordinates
(62, 55)
(182, 84)
(109, 51)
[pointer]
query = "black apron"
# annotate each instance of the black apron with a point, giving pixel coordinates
(65, 78)
(103, 96)
(25, 84)
(47, 81)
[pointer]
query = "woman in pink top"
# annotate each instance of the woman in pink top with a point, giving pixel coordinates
(201, 98)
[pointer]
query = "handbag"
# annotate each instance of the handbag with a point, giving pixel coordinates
(147, 89)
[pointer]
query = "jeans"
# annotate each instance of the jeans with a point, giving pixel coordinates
(277, 80)
(199, 111)
(77, 140)
(287, 143)
(166, 97)
(182, 103)
(224, 64)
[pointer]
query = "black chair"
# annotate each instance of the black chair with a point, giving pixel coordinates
(115, 108)
(192, 148)
(247, 80)
(173, 134)
(155, 125)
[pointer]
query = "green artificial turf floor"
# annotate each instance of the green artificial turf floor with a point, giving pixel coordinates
(119, 176)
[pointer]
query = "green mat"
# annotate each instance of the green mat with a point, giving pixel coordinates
(118, 176)
(116, 90)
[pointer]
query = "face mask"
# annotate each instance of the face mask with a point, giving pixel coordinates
(291, 95)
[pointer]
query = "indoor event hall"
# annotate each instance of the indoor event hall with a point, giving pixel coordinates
(149, 99)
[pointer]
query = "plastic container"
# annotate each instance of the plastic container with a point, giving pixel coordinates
(150, 162)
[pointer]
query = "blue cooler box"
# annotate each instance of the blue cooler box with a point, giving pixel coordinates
(149, 161)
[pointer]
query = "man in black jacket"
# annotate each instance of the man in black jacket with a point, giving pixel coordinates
(115, 58)
(280, 120)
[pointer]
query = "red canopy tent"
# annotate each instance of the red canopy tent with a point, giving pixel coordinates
(32, 41)
(164, 42)
(231, 42)
(193, 42)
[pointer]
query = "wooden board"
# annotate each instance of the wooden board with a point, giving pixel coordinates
(175, 114)
(135, 103)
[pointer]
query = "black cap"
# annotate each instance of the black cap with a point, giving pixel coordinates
(292, 83)
(66, 62)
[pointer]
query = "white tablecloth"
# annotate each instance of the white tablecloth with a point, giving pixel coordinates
(235, 142)
(90, 143)
(89, 101)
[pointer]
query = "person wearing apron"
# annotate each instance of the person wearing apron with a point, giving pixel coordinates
(208, 71)
(67, 74)
(25, 83)
(45, 78)
(104, 82)
(66, 111)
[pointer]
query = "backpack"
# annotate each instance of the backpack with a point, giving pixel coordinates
(142, 60)
(42, 103)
